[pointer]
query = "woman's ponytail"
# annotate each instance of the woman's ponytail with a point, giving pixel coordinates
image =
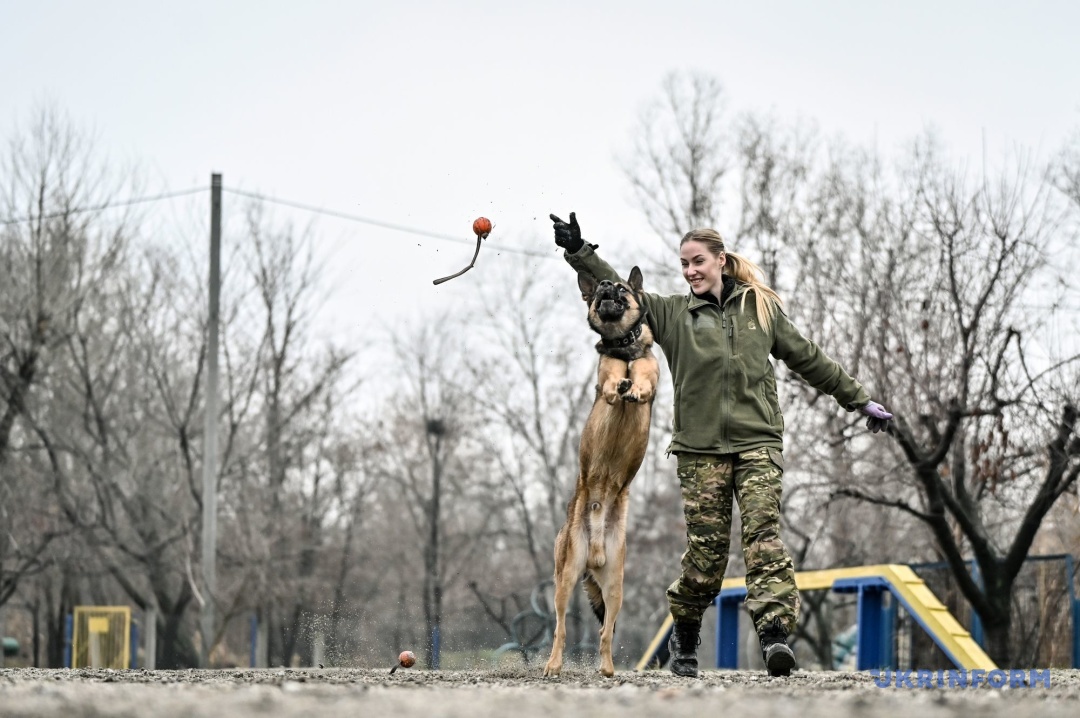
(745, 271)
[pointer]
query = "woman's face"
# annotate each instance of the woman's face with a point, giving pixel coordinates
(701, 268)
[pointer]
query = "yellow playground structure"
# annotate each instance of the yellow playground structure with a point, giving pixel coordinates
(101, 637)
(875, 626)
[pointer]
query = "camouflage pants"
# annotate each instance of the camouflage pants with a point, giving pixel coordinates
(710, 483)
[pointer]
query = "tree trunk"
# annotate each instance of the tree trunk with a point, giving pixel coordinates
(15, 401)
(54, 630)
(290, 633)
(334, 644)
(176, 649)
(996, 640)
(432, 558)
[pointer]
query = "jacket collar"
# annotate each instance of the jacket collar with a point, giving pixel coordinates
(731, 289)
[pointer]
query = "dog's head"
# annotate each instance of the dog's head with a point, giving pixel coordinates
(614, 307)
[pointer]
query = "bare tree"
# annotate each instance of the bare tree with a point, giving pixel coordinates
(53, 250)
(287, 463)
(434, 469)
(989, 446)
(1068, 170)
(117, 436)
(681, 155)
(535, 379)
(354, 489)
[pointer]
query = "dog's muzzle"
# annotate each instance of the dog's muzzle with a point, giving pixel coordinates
(609, 302)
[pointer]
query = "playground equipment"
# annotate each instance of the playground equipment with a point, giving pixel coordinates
(876, 624)
(532, 629)
(101, 637)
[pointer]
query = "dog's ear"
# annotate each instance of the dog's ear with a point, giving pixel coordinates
(635, 279)
(587, 284)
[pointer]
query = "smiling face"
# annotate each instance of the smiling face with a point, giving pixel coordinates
(702, 269)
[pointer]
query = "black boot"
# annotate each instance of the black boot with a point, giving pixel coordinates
(685, 637)
(779, 658)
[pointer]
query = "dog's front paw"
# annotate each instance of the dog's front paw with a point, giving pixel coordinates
(552, 669)
(628, 391)
(611, 390)
(638, 393)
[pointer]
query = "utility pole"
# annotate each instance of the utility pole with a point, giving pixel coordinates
(433, 555)
(209, 494)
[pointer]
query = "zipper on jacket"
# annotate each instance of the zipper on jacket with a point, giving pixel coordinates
(725, 372)
(733, 337)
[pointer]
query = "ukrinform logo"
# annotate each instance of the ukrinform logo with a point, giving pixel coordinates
(996, 678)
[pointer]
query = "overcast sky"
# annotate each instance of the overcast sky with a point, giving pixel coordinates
(429, 114)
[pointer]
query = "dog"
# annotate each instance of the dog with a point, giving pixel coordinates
(613, 443)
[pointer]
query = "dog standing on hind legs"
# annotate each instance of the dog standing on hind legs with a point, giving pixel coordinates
(613, 443)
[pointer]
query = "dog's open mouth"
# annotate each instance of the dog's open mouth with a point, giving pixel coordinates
(610, 309)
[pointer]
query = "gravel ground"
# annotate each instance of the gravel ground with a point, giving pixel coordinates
(364, 693)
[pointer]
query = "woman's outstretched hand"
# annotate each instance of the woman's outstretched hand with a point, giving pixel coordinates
(567, 236)
(877, 417)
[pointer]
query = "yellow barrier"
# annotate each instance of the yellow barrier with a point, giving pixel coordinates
(102, 637)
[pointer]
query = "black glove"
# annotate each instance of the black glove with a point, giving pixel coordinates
(567, 236)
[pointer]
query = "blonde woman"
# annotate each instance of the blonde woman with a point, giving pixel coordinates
(728, 432)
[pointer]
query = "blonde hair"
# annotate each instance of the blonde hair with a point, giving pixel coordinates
(742, 270)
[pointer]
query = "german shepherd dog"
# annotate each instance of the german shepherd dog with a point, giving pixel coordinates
(593, 540)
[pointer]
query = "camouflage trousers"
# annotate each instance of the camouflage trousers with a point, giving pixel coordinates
(710, 485)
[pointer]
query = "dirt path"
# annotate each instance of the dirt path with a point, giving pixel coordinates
(369, 693)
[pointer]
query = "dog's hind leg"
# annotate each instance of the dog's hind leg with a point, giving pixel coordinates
(570, 548)
(610, 580)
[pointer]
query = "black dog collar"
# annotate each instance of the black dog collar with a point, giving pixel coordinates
(627, 339)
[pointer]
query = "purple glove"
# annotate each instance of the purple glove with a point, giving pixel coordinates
(878, 417)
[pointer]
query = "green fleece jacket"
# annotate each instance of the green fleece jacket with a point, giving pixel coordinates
(725, 389)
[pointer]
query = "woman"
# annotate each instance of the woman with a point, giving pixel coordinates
(728, 432)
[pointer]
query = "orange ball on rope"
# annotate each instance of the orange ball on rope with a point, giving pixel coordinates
(481, 227)
(406, 659)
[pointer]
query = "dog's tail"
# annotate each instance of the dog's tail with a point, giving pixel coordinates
(596, 598)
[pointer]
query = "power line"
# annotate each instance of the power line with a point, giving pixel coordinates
(107, 205)
(377, 223)
(274, 200)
